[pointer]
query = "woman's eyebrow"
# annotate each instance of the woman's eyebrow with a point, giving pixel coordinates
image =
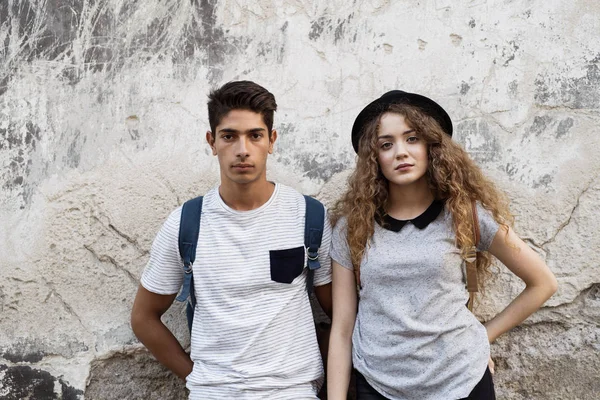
(390, 136)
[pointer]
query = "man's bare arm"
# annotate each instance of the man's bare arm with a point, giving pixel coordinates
(147, 309)
(323, 294)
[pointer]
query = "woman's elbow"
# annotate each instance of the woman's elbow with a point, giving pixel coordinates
(552, 285)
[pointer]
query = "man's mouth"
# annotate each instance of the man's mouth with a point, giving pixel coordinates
(243, 166)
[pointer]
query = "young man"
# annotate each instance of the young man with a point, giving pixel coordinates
(253, 335)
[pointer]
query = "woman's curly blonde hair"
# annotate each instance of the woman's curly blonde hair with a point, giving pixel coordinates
(452, 176)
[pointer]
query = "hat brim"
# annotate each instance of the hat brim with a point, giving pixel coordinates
(382, 104)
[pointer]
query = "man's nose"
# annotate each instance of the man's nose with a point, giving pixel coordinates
(242, 148)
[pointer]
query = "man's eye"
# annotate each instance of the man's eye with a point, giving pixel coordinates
(227, 137)
(257, 135)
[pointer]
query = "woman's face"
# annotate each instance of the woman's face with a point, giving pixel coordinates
(401, 153)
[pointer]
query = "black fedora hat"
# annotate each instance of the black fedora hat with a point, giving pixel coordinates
(381, 105)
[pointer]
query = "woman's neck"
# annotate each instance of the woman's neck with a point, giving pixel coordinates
(409, 201)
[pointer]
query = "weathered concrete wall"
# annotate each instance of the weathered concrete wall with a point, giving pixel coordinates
(102, 118)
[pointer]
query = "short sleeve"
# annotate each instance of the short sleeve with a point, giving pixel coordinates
(164, 272)
(488, 227)
(323, 274)
(340, 252)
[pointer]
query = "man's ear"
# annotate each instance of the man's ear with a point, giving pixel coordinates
(211, 142)
(272, 140)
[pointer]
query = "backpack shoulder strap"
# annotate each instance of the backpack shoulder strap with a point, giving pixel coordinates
(471, 260)
(314, 221)
(189, 229)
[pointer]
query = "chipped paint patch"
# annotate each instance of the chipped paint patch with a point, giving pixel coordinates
(23, 382)
(456, 39)
(479, 142)
(578, 93)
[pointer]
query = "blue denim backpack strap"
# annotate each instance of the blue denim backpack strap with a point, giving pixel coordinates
(189, 229)
(313, 233)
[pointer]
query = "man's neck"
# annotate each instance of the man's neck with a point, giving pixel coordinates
(246, 197)
(410, 201)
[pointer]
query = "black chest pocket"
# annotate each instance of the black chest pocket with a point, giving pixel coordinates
(286, 264)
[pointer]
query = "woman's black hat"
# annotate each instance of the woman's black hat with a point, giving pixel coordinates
(381, 105)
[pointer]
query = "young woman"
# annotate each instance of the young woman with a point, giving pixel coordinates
(402, 232)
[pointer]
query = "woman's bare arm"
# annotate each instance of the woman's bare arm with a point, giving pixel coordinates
(540, 283)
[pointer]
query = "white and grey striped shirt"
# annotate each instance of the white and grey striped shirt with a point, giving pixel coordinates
(253, 337)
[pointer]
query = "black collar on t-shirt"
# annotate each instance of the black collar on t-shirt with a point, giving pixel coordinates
(421, 222)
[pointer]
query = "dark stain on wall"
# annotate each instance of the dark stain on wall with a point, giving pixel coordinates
(488, 151)
(578, 93)
(544, 123)
(205, 35)
(21, 356)
(464, 88)
(336, 28)
(509, 52)
(49, 32)
(24, 382)
(62, 19)
(540, 124)
(564, 127)
(320, 167)
(316, 28)
(20, 142)
(513, 89)
(73, 157)
(542, 181)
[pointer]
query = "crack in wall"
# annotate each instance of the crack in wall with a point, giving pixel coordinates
(585, 293)
(110, 226)
(128, 238)
(108, 259)
(564, 224)
(65, 305)
(169, 186)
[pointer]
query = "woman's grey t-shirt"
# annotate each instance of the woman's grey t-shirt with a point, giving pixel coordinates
(414, 338)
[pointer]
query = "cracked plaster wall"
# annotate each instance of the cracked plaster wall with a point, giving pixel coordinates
(102, 114)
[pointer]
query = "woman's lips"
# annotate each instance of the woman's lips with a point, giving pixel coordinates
(404, 167)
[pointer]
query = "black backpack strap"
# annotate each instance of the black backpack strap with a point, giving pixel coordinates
(314, 221)
(189, 229)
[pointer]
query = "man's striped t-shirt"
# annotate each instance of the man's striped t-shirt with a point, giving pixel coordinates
(253, 335)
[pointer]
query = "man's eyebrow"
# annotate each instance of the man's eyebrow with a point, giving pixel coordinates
(231, 130)
(228, 130)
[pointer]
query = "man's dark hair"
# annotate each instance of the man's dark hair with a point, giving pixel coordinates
(240, 95)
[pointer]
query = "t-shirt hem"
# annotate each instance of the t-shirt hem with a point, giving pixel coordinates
(154, 290)
(333, 258)
(323, 282)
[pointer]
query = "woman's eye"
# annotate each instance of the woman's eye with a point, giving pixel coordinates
(412, 139)
(386, 145)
